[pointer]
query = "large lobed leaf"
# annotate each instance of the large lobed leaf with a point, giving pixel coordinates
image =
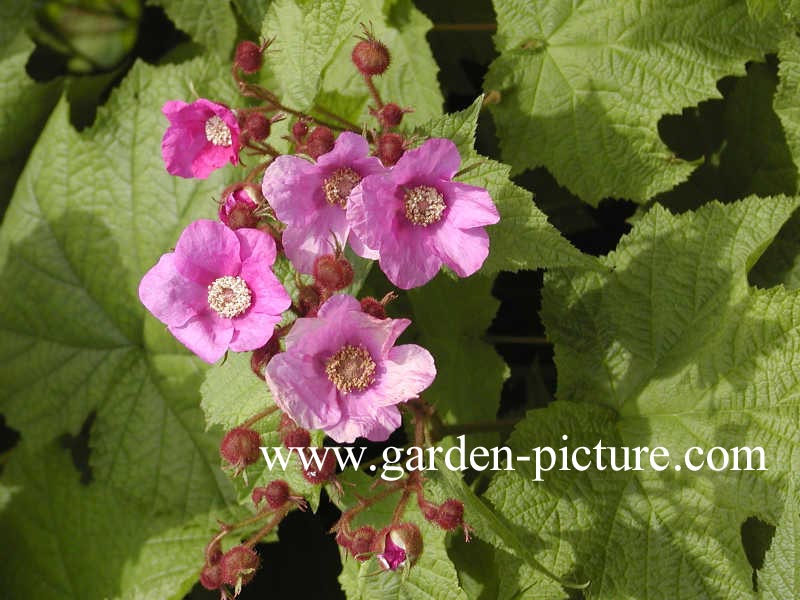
(583, 84)
(91, 213)
(670, 347)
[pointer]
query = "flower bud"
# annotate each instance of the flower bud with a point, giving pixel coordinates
(293, 436)
(238, 210)
(276, 493)
(320, 141)
(239, 566)
(361, 542)
(398, 546)
(390, 148)
(211, 576)
(240, 447)
(261, 356)
(450, 515)
(257, 126)
(390, 115)
(299, 131)
(323, 474)
(370, 56)
(373, 307)
(332, 273)
(248, 57)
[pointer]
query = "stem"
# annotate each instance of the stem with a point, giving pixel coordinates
(254, 539)
(342, 120)
(373, 91)
(464, 26)
(532, 340)
(257, 417)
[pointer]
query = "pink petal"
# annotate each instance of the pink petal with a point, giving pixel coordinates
(211, 157)
(436, 159)
(303, 244)
(469, 206)
(408, 370)
(463, 250)
(179, 147)
(207, 250)
(337, 305)
(171, 298)
(293, 188)
(268, 294)
(300, 388)
(348, 148)
(371, 211)
(255, 246)
(205, 334)
(409, 259)
(376, 426)
(252, 330)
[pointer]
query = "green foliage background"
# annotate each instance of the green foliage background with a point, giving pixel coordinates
(654, 147)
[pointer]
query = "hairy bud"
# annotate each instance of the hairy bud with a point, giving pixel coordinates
(370, 56)
(239, 565)
(390, 115)
(322, 474)
(248, 57)
(332, 273)
(240, 447)
(390, 148)
(257, 126)
(320, 141)
(450, 515)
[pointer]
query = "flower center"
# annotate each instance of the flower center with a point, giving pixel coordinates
(217, 132)
(424, 205)
(351, 368)
(229, 296)
(338, 185)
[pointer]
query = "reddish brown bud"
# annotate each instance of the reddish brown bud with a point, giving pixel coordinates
(390, 148)
(332, 273)
(239, 565)
(257, 126)
(261, 357)
(361, 542)
(373, 307)
(370, 56)
(308, 300)
(320, 141)
(299, 130)
(211, 576)
(248, 57)
(323, 474)
(450, 515)
(390, 115)
(240, 447)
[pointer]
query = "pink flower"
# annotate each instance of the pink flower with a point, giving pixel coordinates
(342, 373)
(311, 198)
(217, 291)
(238, 210)
(416, 218)
(201, 137)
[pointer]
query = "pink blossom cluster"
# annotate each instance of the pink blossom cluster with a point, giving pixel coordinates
(339, 369)
(412, 217)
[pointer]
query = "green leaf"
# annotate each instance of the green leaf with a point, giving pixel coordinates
(780, 577)
(452, 317)
(253, 12)
(211, 24)
(92, 212)
(91, 541)
(670, 347)
(24, 107)
(523, 239)
(785, 102)
(583, 86)
(14, 18)
(307, 35)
